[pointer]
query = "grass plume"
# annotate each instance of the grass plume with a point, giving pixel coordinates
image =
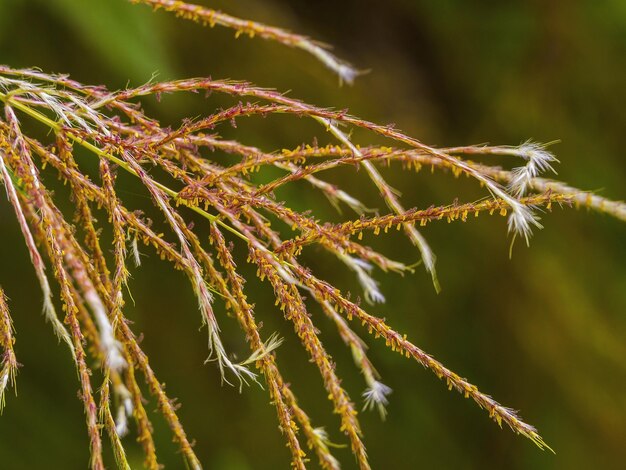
(113, 128)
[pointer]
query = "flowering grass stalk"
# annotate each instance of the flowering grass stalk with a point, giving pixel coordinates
(116, 132)
(9, 361)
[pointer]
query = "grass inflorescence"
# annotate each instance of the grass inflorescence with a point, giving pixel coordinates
(112, 127)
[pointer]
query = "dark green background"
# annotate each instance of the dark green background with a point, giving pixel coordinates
(543, 332)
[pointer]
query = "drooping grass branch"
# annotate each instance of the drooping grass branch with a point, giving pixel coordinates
(197, 181)
(9, 361)
(210, 17)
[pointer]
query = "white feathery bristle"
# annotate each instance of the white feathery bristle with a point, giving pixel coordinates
(270, 345)
(376, 395)
(538, 160)
(345, 71)
(322, 436)
(362, 269)
(3, 383)
(111, 348)
(135, 251)
(521, 221)
(124, 410)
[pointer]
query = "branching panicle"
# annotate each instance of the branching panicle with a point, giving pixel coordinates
(92, 277)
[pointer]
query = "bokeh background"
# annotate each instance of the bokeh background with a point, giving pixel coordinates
(542, 332)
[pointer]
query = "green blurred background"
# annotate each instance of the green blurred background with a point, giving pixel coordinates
(543, 332)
